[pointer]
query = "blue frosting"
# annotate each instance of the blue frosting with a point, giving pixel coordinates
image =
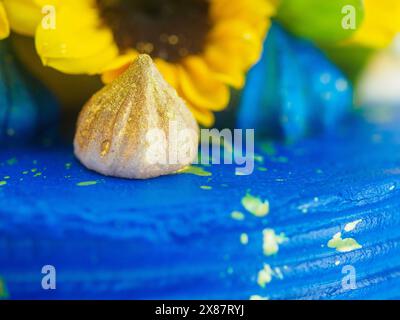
(27, 109)
(294, 90)
(169, 238)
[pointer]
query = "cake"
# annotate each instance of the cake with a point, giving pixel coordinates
(332, 214)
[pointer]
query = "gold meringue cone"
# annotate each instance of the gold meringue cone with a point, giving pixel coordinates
(136, 127)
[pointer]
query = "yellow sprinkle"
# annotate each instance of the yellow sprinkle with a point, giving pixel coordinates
(264, 276)
(244, 238)
(2, 183)
(237, 215)
(262, 169)
(206, 187)
(352, 225)
(239, 173)
(271, 241)
(196, 171)
(343, 245)
(37, 174)
(255, 205)
(259, 158)
(34, 170)
(25, 172)
(257, 297)
(86, 183)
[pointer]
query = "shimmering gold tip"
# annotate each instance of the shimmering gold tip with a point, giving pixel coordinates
(136, 126)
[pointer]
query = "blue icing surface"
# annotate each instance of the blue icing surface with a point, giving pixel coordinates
(27, 109)
(293, 90)
(169, 238)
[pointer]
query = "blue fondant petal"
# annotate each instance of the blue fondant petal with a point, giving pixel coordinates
(330, 92)
(26, 107)
(292, 98)
(294, 90)
(262, 106)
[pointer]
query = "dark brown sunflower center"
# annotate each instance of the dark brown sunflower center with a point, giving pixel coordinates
(169, 29)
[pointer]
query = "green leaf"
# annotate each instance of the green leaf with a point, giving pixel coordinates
(350, 59)
(319, 20)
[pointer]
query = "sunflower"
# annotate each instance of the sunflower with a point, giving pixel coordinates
(202, 47)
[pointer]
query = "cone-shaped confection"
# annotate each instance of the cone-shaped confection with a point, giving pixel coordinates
(136, 127)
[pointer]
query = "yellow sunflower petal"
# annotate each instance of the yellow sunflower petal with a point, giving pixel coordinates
(236, 29)
(110, 75)
(24, 15)
(238, 39)
(380, 25)
(78, 32)
(121, 63)
(118, 66)
(231, 73)
(203, 116)
(4, 25)
(169, 71)
(87, 65)
(232, 9)
(78, 38)
(261, 27)
(199, 86)
(122, 60)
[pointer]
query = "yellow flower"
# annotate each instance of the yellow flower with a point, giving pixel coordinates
(21, 16)
(200, 46)
(4, 24)
(380, 25)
